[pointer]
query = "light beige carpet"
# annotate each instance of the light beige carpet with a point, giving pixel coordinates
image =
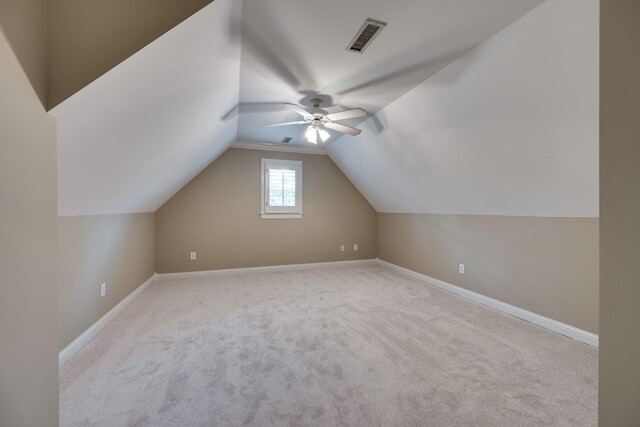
(361, 346)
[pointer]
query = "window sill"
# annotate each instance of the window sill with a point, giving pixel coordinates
(281, 215)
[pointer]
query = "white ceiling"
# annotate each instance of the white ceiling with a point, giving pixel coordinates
(131, 139)
(292, 49)
(509, 129)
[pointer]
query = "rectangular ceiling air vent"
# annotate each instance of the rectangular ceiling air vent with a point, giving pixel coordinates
(365, 35)
(287, 139)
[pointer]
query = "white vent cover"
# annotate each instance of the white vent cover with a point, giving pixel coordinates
(365, 35)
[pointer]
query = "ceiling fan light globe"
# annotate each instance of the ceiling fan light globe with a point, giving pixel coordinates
(311, 135)
(324, 135)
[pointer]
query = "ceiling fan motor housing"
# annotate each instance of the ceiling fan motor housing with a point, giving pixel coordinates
(318, 112)
(319, 119)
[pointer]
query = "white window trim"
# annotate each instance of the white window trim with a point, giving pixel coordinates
(289, 213)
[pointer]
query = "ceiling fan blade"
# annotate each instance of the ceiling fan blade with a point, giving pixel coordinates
(252, 107)
(256, 45)
(401, 77)
(298, 109)
(301, 122)
(349, 114)
(344, 129)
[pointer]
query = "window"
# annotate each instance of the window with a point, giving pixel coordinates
(281, 189)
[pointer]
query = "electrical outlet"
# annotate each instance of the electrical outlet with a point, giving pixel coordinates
(103, 290)
(341, 248)
(355, 247)
(193, 256)
(461, 269)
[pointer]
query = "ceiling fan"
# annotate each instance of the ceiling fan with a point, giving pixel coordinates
(319, 119)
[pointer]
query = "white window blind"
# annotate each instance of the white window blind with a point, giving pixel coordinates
(281, 189)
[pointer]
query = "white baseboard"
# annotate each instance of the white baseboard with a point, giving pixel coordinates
(270, 268)
(78, 344)
(537, 319)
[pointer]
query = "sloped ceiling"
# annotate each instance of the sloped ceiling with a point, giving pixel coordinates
(294, 50)
(89, 37)
(509, 129)
(132, 138)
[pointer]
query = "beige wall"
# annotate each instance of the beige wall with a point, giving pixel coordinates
(87, 38)
(217, 216)
(620, 213)
(114, 249)
(24, 26)
(28, 292)
(546, 265)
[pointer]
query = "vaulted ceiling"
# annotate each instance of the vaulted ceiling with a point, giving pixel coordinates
(509, 129)
(293, 51)
(88, 38)
(134, 136)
